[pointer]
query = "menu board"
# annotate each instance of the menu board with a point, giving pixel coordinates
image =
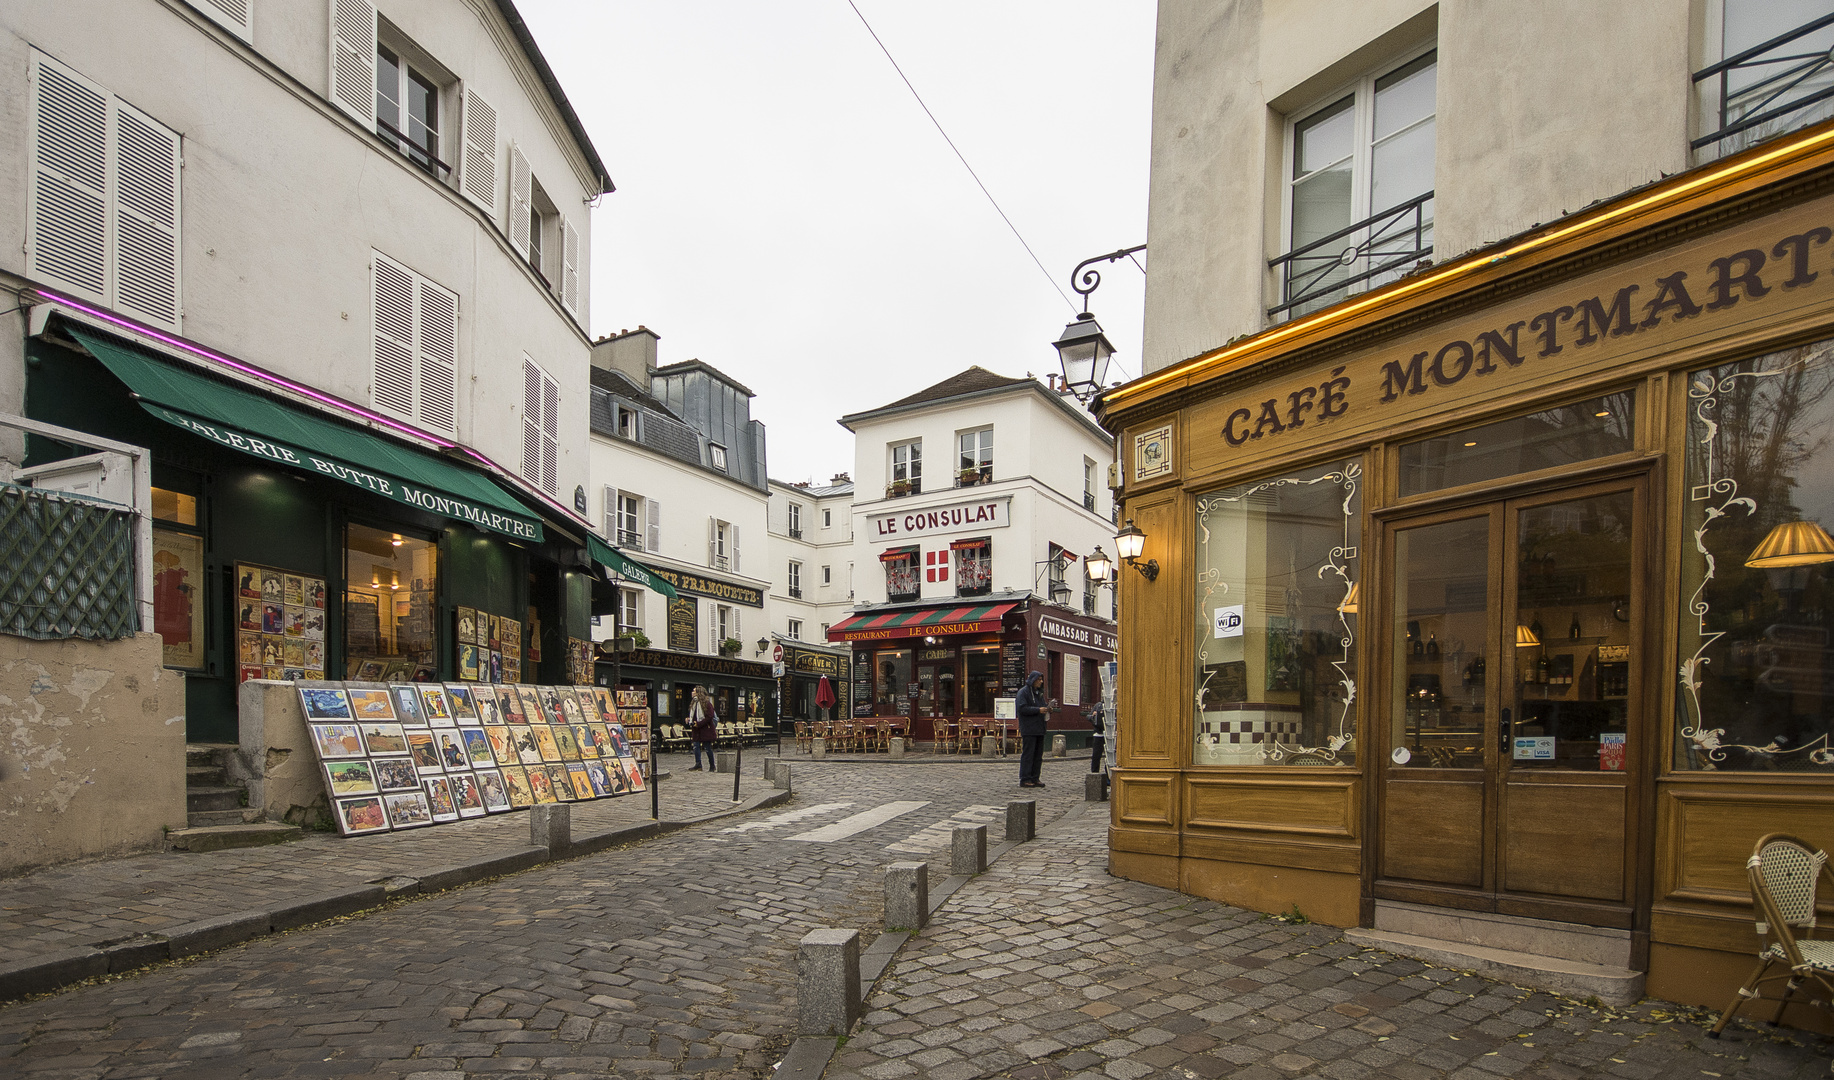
(862, 684)
(684, 625)
(280, 624)
(1012, 667)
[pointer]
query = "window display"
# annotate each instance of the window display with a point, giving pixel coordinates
(390, 589)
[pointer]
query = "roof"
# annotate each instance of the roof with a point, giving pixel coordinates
(616, 382)
(701, 365)
(977, 382)
(659, 430)
(578, 130)
(815, 491)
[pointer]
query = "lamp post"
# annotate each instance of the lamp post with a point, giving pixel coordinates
(1129, 543)
(1082, 349)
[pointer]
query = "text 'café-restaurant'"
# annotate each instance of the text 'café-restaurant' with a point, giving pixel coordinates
(1504, 589)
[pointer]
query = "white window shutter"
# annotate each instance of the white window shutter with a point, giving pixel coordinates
(652, 525)
(611, 514)
(437, 336)
(478, 160)
(531, 422)
(550, 433)
(737, 631)
(713, 542)
(732, 545)
(235, 16)
(353, 59)
(146, 217)
(521, 194)
(67, 209)
(569, 267)
(392, 298)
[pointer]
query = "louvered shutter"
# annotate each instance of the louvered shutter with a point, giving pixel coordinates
(531, 422)
(235, 16)
(146, 217)
(732, 545)
(392, 292)
(436, 389)
(713, 542)
(569, 267)
(478, 165)
(521, 194)
(67, 210)
(550, 433)
(652, 525)
(611, 514)
(353, 59)
(738, 631)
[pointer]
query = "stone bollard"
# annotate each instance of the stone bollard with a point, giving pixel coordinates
(551, 826)
(725, 762)
(895, 749)
(1095, 787)
(828, 982)
(818, 748)
(1021, 819)
(989, 746)
(907, 895)
(968, 850)
(1058, 747)
(780, 779)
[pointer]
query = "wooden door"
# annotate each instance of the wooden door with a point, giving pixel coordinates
(1510, 704)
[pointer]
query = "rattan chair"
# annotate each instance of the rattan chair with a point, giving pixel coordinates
(947, 734)
(802, 736)
(1785, 872)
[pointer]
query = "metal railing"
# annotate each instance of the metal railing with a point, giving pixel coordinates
(1785, 84)
(1089, 501)
(1351, 259)
(796, 592)
(413, 151)
(795, 532)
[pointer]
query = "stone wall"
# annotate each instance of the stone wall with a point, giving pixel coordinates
(275, 760)
(92, 749)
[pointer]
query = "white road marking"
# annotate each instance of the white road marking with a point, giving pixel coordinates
(789, 817)
(939, 834)
(858, 823)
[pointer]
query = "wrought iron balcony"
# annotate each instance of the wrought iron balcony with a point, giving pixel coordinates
(796, 592)
(795, 532)
(1089, 501)
(1766, 90)
(1356, 257)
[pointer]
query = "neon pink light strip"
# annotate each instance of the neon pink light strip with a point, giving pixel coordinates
(336, 403)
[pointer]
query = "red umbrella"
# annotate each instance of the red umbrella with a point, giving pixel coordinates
(824, 694)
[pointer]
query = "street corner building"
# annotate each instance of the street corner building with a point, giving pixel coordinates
(1497, 598)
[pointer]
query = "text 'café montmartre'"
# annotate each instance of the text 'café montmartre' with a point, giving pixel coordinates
(1504, 588)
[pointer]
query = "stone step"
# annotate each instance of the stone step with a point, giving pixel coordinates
(198, 819)
(1600, 945)
(207, 753)
(1572, 978)
(213, 797)
(206, 776)
(220, 837)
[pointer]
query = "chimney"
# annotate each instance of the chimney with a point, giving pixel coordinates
(841, 478)
(630, 353)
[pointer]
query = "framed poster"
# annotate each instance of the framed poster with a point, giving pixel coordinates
(684, 625)
(178, 596)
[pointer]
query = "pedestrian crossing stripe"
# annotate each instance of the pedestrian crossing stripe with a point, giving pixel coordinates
(859, 823)
(939, 834)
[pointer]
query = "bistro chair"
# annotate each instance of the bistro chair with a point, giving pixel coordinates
(843, 735)
(948, 735)
(802, 736)
(1784, 873)
(885, 736)
(972, 730)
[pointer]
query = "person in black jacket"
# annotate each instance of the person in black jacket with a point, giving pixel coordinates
(1098, 719)
(1031, 707)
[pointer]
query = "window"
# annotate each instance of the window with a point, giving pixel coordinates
(975, 462)
(632, 521)
(626, 421)
(629, 514)
(907, 468)
(716, 454)
(824, 630)
(407, 111)
(174, 507)
(902, 578)
(795, 579)
(179, 576)
(795, 510)
(1360, 186)
(542, 235)
(973, 566)
(1774, 90)
(540, 427)
(102, 215)
(722, 545)
(415, 350)
(827, 575)
(539, 222)
(795, 631)
(1089, 588)
(236, 16)
(630, 609)
(390, 581)
(725, 626)
(983, 681)
(1089, 485)
(1058, 562)
(827, 518)
(1563, 435)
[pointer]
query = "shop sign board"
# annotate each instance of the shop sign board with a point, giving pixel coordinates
(968, 514)
(1089, 637)
(1006, 708)
(684, 625)
(810, 662)
(696, 662)
(730, 592)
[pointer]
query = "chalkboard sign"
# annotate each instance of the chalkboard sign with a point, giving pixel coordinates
(1012, 667)
(684, 625)
(862, 684)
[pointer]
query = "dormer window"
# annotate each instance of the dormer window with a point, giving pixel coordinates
(717, 454)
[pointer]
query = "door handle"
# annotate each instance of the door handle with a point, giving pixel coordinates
(1503, 732)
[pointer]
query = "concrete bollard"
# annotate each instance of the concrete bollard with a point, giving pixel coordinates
(725, 762)
(828, 982)
(989, 746)
(551, 826)
(1095, 787)
(907, 895)
(1021, 819)
(895, 749)
(968, 850)
(1058, 747)
(818, 748)
(780, 779)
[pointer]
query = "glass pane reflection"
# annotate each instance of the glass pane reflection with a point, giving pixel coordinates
(1564, 435)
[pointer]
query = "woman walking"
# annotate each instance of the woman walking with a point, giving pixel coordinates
(702, 725)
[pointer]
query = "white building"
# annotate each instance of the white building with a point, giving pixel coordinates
(811, 551)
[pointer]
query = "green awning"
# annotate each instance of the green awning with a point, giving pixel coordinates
(619, 563)
(287, 434)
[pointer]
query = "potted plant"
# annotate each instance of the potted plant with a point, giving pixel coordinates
(970, 477)
(642, 639)
(731, 646)
(900, 488)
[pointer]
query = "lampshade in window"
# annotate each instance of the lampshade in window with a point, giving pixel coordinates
(1793, 543)
(1525, 637)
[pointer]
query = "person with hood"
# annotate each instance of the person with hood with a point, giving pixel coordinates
(1031, 707)
(703, 726)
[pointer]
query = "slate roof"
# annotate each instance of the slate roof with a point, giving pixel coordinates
(974, 380)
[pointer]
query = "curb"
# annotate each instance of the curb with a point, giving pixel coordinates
(55, 971)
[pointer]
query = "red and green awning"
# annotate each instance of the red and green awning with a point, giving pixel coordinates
(948, 619)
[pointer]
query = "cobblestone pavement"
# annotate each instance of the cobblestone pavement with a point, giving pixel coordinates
(108, 899)
(673, 956)
(1047, 968)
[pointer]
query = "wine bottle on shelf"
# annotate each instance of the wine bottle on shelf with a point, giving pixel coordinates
(1535, 629)
(1419, 647)
(1432, 646)
(1573, 629)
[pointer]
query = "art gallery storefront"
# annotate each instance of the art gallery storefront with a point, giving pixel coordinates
(291, 544)
(1501, 589)
(741, 689)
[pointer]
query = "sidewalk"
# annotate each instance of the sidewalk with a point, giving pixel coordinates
(1046, 968)
(58, 924)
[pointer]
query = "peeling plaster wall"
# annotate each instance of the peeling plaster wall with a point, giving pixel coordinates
(92, 749)
(275, 760)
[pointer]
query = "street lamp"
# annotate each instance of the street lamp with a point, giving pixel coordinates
(1129, 543)
(1083, 350)
(1099, 566)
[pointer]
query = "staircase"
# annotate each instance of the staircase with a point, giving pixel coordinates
(216, 815)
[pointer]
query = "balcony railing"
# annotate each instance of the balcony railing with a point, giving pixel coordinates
(1355, 258)
(1767, 89)
(796, 592)
(1089, 501)
(419, 155)
(795, 532)
(630, 538)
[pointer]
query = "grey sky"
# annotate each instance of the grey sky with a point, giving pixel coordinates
(787, 213)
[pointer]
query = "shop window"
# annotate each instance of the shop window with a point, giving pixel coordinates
(973, 566)
(390, 581)
(795, 630)
(903, 577)
(1359, 196)
(982, 666)
(1774, 72)
(1564, 435)
(891, 681)
(178, 578)
(906, 469)
(1276, 562)
(974, 463)
(1092, 682)
(1757, 581)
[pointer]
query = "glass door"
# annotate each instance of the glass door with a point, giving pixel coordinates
(1511, 706)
